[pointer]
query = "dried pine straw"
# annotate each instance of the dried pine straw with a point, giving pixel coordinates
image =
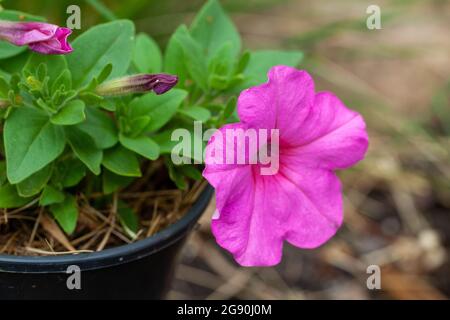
(31, 231)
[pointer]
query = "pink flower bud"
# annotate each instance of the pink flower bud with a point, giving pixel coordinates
(41, 37)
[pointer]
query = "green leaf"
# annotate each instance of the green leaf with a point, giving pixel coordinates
(14, 15)
(51, 195)
(243, 62)
(229, 109)
(142, 145)
(3, 179)
(55, 65)
(193, 57)
(99, 46)
(14, 65)
(66, 213)
(174, 58)
(64, 79)
(128, 219)
(196, 113)
(8, 50)
(108, 104)
(147, 57)
(138, 125)
(261, 61)
(189, 145)
(9, 198)
(113, 182)
(4, 88)
(159, 108)
(72, 171)
(35, 183)
(221, 66)
(72, 113)
(212, 28)
(106, 72)
(84, 148)
(190, 171)
(122, 162)
(31, 142)
(100, 127)
(176, 176)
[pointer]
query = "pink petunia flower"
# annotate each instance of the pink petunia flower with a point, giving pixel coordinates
(41, 37)
(301, 202)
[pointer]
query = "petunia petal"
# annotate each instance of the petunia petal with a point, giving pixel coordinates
(23, 33)
(315, 205)
(333, 137)
(257, 213)
(58, 44)
(246, 227)
(284, 102)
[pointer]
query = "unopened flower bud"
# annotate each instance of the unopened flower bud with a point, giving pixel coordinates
(140, 83)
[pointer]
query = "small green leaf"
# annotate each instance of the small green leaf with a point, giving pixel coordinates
(176, 176)
(53, 64)
(220, 67)
(174, 61)
(4, 88)
(31, 142)
(72, 113)
(84, 148)
(193, 57)
(243, 62)
(159, 108)
(142, 145)
(92, 99)
(72, 171)
(34, 183)
(101, 45)
(128, 219)
(9, 198)
(108, 104)
(190, 171)
(212, 28)
(100, 127)
(229, 108)
(66, 213)
(113, 182)
(106, 72)
(196, 113)
(147, 56)
(51, 195)
(64, 79)
(3, 179)
(138, 125)
(189, 144)
(121, 161)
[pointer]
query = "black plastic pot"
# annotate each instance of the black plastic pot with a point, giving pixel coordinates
(142, 270)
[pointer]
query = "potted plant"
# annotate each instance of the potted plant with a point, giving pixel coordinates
(103, 142)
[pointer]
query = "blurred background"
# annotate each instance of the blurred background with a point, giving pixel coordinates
(397, 201)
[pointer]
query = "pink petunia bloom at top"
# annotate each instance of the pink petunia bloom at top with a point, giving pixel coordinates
(302, 202)
(41, 37)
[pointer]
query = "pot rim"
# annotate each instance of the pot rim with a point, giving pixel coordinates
(112, 256)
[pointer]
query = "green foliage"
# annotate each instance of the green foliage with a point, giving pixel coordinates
(61, 139)
(104, 44)
(66, 213)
